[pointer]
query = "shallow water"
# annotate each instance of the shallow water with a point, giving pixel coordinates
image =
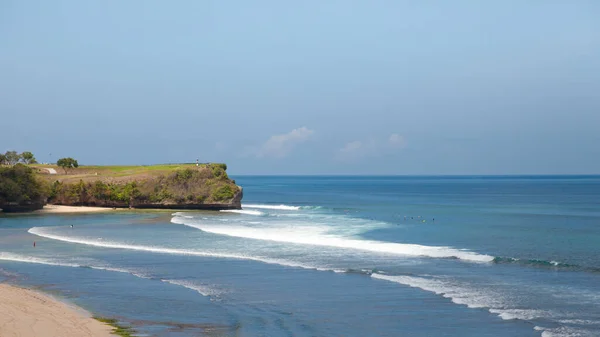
(334, 256)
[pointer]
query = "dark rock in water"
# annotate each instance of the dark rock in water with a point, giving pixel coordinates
(14, 207)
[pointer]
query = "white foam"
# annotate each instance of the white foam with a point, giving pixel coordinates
(54, 262)
(565, 332)
(278, 207)
(40, 231)
(242, 211)
(467, 296)
(319, 236)
(579, 321)
(37, 260)
(523, 314)
(203, 289)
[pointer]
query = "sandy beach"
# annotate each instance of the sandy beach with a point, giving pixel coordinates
(54, 209)
(26, 313)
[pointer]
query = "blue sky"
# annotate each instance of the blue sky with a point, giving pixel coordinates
(306, 87)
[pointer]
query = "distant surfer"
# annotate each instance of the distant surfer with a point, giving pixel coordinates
(71, 226)
(33, 244)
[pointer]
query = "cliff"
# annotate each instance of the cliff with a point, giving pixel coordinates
(164, 186)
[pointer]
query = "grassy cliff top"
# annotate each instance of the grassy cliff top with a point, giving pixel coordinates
(116, 173)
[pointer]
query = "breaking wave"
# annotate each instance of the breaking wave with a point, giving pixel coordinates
(497, 302)
(242, 211)
(203, 289)
(320, 236)
(545, 264)
(278, 207)
(55, 262)
(39, 231)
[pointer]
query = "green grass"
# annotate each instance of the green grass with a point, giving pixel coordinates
(118, 330)
(86, 171)
(141, 168)
(123, 168)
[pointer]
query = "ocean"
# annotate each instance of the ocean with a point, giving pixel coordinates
(333, 256)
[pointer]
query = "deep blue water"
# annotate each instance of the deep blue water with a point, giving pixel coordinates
(334, 256)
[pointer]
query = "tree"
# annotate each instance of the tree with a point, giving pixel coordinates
(12, 157)
(28, 158)
(3, 159)
(67, 163)
(20, 190)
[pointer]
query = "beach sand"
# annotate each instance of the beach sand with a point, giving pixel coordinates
(26, 313)
(54, 209)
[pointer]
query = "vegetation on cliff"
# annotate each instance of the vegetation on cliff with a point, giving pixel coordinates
(186, 186)
(21, 189)
(192, 186)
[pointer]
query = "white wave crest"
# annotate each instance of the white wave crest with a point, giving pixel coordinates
(242, 211)
(523, 314)
(203, 289)
(40, 231)
(564, 331)
(55, 262)
(472, 298)
(278, 207)
(37, 260)
(497, 302)
(319, 236)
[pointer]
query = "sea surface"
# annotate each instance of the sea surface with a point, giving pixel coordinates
(334, 256)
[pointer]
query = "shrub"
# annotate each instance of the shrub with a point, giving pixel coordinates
(184, 175)
(99, 190)
(223, 193)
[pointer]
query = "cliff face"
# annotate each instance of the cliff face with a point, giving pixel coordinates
(233, 203)
(207, 187)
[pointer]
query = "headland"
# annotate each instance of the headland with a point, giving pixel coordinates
(30, 187)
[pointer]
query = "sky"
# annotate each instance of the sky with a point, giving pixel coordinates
(306, 87)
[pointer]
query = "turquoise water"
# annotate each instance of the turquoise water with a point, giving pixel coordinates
(334, 256)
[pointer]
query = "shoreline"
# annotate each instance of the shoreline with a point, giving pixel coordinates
(61, 209)
(29, 313)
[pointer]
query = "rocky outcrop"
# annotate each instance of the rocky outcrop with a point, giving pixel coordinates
(15, 207)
